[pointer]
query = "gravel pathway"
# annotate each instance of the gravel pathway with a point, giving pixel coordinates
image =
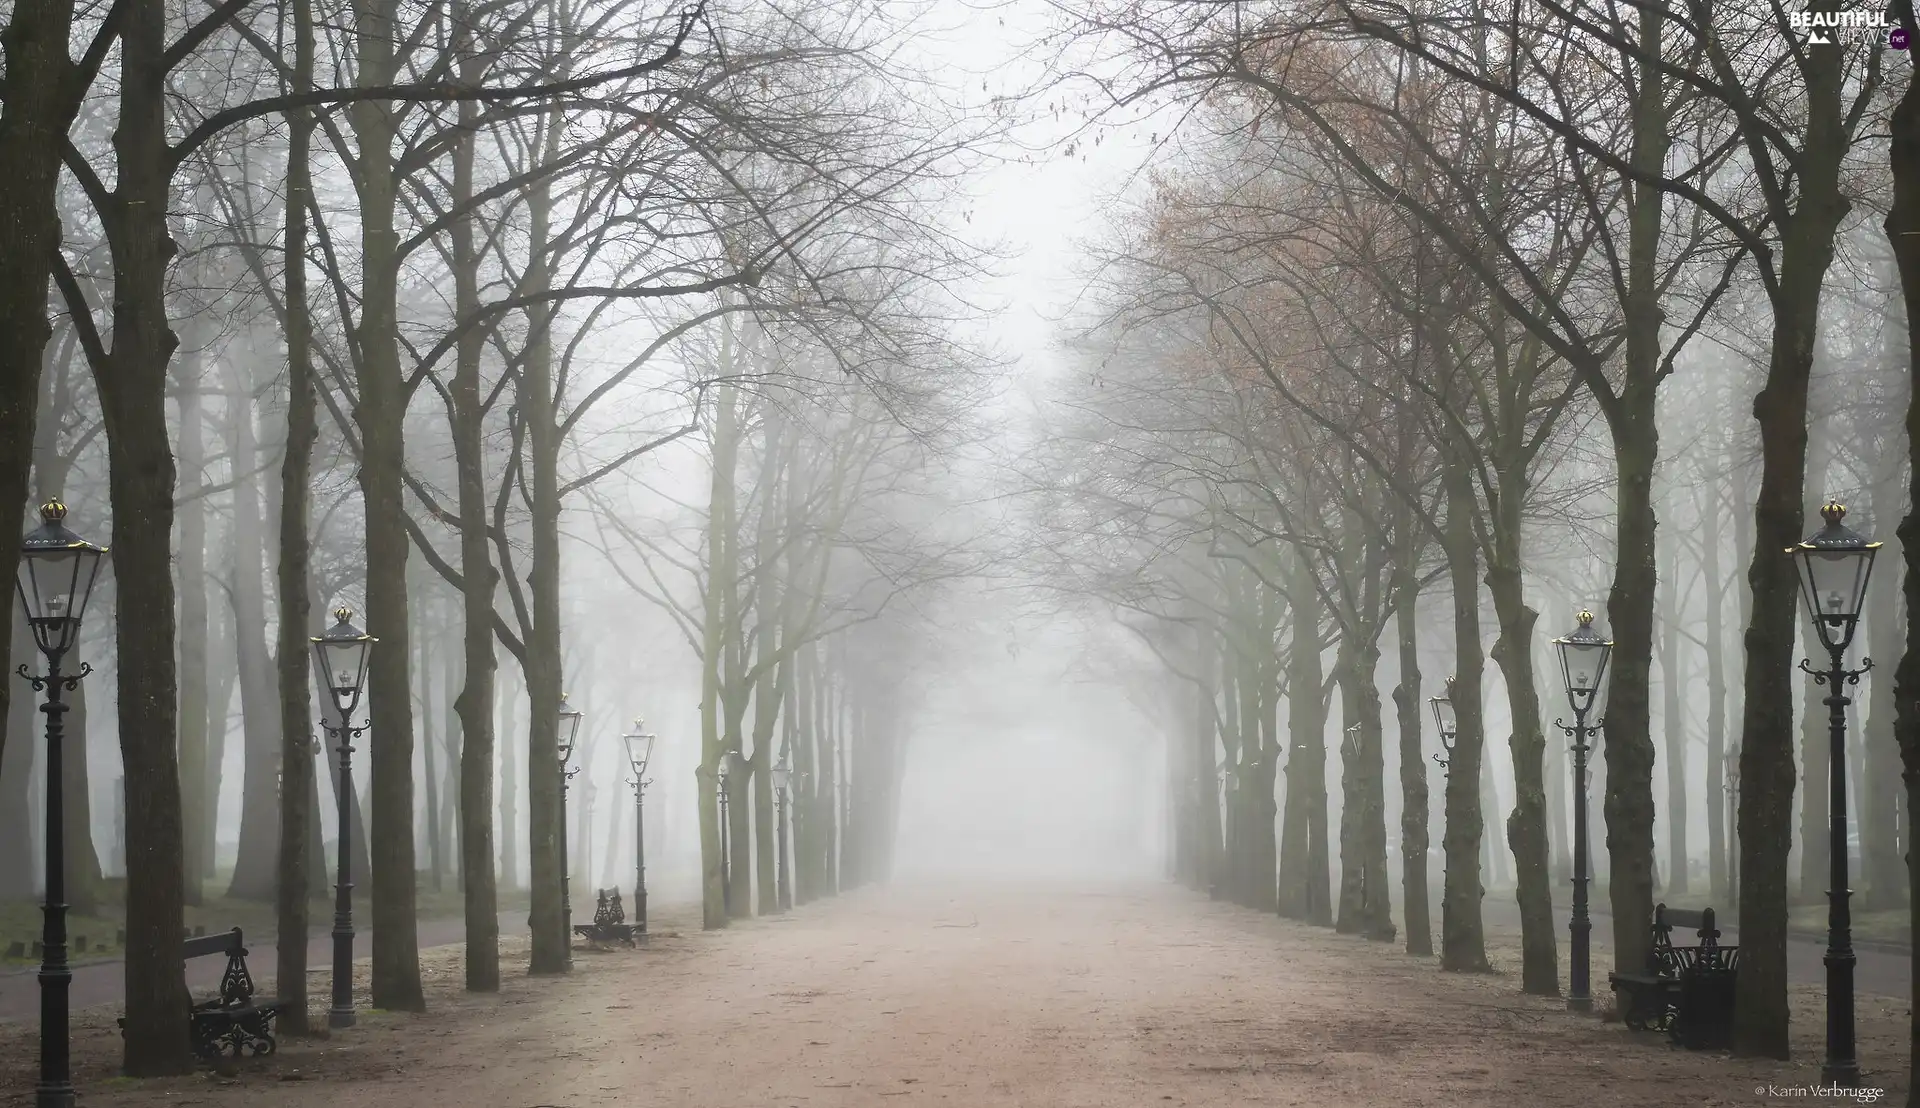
(991, 997)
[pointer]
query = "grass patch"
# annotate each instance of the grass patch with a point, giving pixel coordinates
(1890, 925)
(21, 920)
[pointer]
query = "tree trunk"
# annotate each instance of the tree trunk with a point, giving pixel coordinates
(1559, 767)
(769, 644)
(740, 884)
(194, 772)
(1880, 834)
(1463, 946)
(380, 415)
(298, 813)
(451, 805)
(19, 826)
(1674, 723)
(1319, 855)
(546, 815)
(828, 753)
(431, 722)
(1262, 742)
(1627, 738)
(1376, 908)
(1260, 758)
(253, 870)
(1527, 824)
(1233, 738)
(1745, 484)
(718, 623)
(1766, 753)
(1211, 849)
(132, 385)
(580, 855)
(1633, 421)
(1711, 584)
(1414, 816)
(1365, 906)
(223, 675)
(40, 107)
(298, 788)
(799, 715)
(83, 878)
(1306, 735)
(1493, 860)
(1903, 234)
(822, 803)
(1353, 888)
(509, 783)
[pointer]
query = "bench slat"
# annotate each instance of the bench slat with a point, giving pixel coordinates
(226, 942)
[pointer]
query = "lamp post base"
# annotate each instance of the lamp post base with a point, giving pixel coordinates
(1844, 1074)
(1579, 1004)
(57, 1095)
(340, 1014)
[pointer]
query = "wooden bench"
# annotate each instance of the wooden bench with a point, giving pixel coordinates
(609, 921)
(1686, 991)
(234, 1022)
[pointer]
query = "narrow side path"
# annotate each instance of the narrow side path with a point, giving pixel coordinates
(1880, 970)
(1003, 997)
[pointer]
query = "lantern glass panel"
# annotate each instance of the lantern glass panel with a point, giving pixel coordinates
(568, 729)
(346, 662)
(46, 583)
(1443, 715)
(639, 748)
(1834, 585)
(1584, 666)
(54, 579)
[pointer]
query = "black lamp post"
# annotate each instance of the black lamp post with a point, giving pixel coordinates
(1448, 725)
(726, 855)
(566, 735)
(639, 753)
(1224, 877)
(1583, 665)
(782, 880)
(55, 577)
(1350, 742)
(343, 653)
(1833, 567)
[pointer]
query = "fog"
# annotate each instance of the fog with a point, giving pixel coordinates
(775, 453)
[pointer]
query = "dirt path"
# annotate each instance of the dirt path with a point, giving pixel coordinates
(989, 998)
